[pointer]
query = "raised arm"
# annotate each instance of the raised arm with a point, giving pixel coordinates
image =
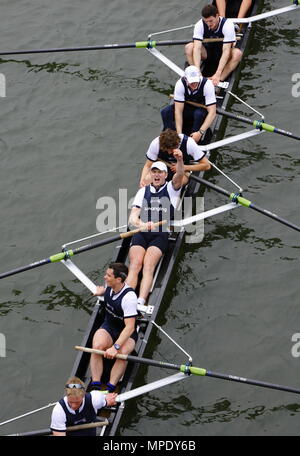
(145, 176)
(178, 176)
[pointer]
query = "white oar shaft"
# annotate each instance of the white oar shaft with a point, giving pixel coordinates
(232, 139)
(151, 386)
(80, 275)
(259, 17)
(204, 215)
(166, 61)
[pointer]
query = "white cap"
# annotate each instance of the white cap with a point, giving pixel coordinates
(160, 165)
(192, 74)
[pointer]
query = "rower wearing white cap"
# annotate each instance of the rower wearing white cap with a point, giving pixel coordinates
(185, 118)
(153, 203)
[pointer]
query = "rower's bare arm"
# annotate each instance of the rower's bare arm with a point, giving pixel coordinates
(179, 175)
(135, 221)
(127, 331)
(221, 7)
(146, 176)
(123, 337)
(197, 53)
(226, 50)
(211, 114)
(244, 8)
(111, 399)
(134, 217)
(100, 290)
(178, 116)
(202, 165)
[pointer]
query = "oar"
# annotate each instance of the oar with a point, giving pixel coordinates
(138, 44)
(187, 369)
(68, 429)
(276, 12)
(68, 253)
(256, 123)
(244, 202)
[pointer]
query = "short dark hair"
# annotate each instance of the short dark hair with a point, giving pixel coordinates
(168, 139)
(119, 270)
(209, 10)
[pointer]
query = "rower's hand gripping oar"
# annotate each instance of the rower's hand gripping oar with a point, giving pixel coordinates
(191, 370)
(239, 199)
(65, 254)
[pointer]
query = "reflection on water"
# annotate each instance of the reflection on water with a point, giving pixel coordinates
(267, 37)
(221, 411)
(12, 305)
(238, 157)
(53, 297)
(64, 297)
(108, 78)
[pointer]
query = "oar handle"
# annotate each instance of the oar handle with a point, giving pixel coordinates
(193, 103)
(217, 40)
(134, 359)
(138, 230)
(99, 352)
(87, 426)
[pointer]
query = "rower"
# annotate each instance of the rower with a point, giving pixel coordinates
(163, 147)
(155, 202)
(224, 54)
(185, 118)
(117, 333)
(78, 407)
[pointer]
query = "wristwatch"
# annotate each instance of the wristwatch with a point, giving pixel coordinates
(117, 346)
(202, 131)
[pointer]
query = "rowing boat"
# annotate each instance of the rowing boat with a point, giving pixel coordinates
(163, 273)
(162, 277)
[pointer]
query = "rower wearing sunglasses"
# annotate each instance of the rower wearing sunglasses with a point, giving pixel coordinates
(78, 407)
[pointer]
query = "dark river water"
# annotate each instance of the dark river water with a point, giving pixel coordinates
(75, 128)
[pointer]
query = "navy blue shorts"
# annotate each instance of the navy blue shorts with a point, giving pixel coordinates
(115, 332)
(146, 240)
(214, 51)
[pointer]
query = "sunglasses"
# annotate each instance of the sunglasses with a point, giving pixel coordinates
(74, 385)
